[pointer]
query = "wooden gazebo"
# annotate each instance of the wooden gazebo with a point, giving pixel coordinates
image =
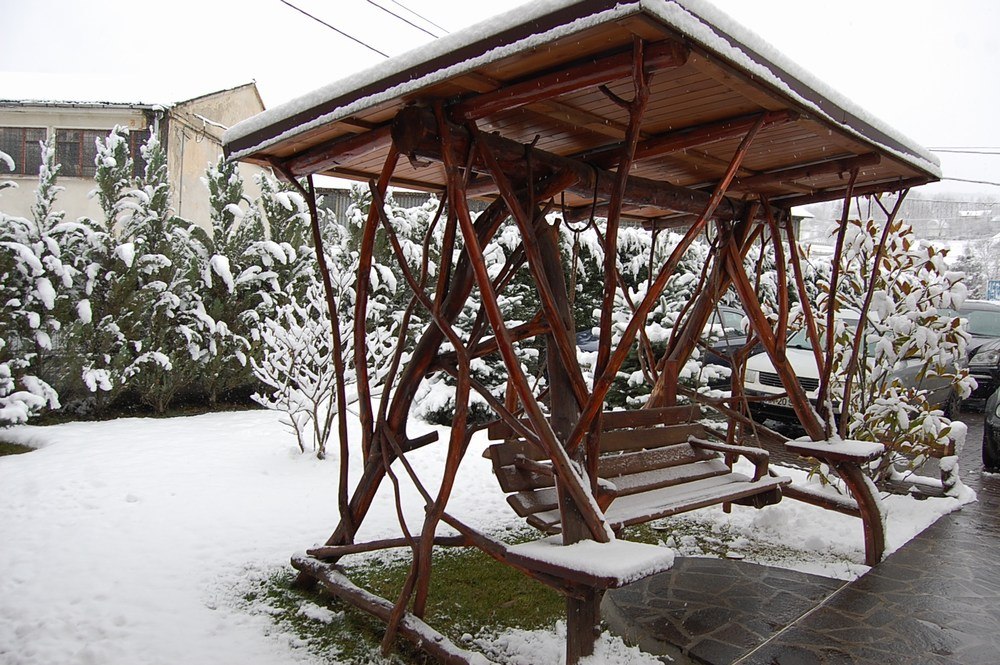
(665, 112)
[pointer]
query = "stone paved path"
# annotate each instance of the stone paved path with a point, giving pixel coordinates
(936, 600)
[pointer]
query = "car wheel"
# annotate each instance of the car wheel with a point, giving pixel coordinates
(991, 456)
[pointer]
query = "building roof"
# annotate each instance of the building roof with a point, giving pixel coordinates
(22, 90)
(727, 75)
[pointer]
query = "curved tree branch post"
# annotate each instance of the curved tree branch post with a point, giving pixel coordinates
(823, 403)
(800, 285)
(380, 424)
(666, 271)
(603, 382)
(563, 339)
(780, 267)
(852, 365)
(458, 290)
(365, 252)
(858, 485)
(457, 442)
(866, 496)
(796, 395)
(562, 465)
(346, 519)
(390, 376)
(682, 344)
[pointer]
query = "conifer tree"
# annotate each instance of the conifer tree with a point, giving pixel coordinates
(27, 298)
(108, 301)
(285, 254)
(230, 282)
(164, 334)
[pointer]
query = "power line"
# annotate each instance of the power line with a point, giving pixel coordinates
(982, 151)
(335, 29)
(420, 16)
(404, 20)
(975, 182)
(965, 147)
(961, 203)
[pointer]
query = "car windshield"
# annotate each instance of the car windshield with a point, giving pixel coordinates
(732, 322)
(982, 322)
(800, 340)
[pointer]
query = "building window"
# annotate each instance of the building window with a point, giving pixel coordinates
(136, 139)
(22, 144)
(76, 150)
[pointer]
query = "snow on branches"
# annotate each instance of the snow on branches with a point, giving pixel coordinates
(908, 373)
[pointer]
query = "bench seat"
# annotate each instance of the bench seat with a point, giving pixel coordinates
(666, 501)
(645, 471)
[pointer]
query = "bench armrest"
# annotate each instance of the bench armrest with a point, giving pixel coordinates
(758, 456)
(852, 452)
(528, 464)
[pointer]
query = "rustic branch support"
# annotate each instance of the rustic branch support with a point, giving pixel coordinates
(415, 132)
(662, 55)
(554, 87)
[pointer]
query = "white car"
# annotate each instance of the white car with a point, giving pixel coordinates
(763, 380)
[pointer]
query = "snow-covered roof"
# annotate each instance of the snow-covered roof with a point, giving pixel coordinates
(95, 91)
(737, 71)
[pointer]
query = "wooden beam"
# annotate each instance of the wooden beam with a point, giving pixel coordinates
(634, 212)
(841, 165)
(415, 133)
(365, 176)
(688, 137)
(553, 109)
(411, 627)
(670, 223)
(338, 151)
(864, 190)
(568, 78)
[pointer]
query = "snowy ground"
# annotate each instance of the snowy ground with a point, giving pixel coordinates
(125, 541)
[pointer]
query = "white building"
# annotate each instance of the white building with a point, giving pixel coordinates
(190, 130)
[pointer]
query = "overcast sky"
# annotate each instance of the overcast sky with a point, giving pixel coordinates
(926, 67)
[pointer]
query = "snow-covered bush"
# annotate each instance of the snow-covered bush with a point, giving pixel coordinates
(296, 367)
(231, 284)
(638, 251)
(285, 255)
(110, 319)
(911, 322)
(32, 283)
(167, 341)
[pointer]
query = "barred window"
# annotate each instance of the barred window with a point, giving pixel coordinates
(76, 150)
(136, 139)
(22, 144)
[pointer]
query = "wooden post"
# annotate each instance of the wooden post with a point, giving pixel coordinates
(583, 614)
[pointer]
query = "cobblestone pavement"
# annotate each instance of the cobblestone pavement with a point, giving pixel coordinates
(935, 600)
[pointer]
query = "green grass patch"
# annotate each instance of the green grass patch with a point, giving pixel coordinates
(8, 448)
(470, 593)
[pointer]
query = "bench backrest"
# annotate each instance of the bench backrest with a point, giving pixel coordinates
(632, 442)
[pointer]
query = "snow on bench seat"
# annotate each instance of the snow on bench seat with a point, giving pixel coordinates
(600, 565)
(839, 450)
(672, 500)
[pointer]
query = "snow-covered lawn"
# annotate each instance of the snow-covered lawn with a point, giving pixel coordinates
(127, 541)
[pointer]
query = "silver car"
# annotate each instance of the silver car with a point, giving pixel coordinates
(763, 380)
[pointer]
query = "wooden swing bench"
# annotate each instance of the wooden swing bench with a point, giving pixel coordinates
(654, 463)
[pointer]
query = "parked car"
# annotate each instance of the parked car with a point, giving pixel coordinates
(991, 434)
(587, 340)
(727, 335)
(763, 380)
(983, 324)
